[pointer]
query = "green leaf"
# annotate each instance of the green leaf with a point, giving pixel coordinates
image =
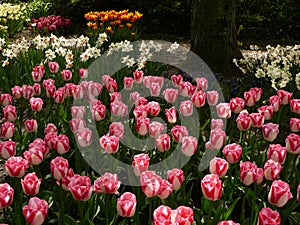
(67, 219)
(230, 209)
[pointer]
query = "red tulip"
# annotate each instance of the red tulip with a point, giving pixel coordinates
(36, 211)
(275, 101)
(178, 132)
(150, 183)
(107, 183)
(237, 105)
(212, 97)
(37, 73)
(110, 144)
(223, 110)
(267, 216)
(198, 98)
(66, 75)
(279, 193)
(53, 67)
(112, 86)
(277, 153)
(6, 195)
(50, 90)
(40, 145)
(126, 204)
(165, 189)
(59, 96)
(80, 187)
(295, 105)
(115, 96)
(250, 98)
(34, 155)
(189, 145)
(31, 125)
(7, 149)
(163, 142)
(185, 89)
(217, 138)
(140, 111)
(5, 99)
(83, 73)
(140, 163)
(184, 215)
(270, 131)
(59, 167)
(62, 144)
(218, 166)
(176, 178)
(48, 82)
(258, 92)
(257, 120)
(171, 115)
(272, 169)
(128, 83)
(156, 129)
(98, 111)
(17, 92)
(36, 104)
(28, 91)
(186, 108)
(243, 121)
(116, 129)
(211, 187)
(285, 96)
(248, 172)
(295, 124)
(37, 88)
(267, 111)
(7, 130)
(176, 80)
(201, 83)
(138, 76)
(31, 184)
(16, 166)
(293, 143)
(77, 124)
(164, 215)
(232, 152)
(170, 95)
(10, 113)
(153, 108)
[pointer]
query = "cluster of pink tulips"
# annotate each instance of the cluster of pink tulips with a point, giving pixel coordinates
(49, 23)
(49, 144)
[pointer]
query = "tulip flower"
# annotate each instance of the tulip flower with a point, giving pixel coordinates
(171, 115)
(217, 138)
(243, 121)
(178, 132)
(98, 112)
(34, 155)
(83, 73)
(66, 75)
(164, 215)
(279, 193)
(36, 211)
(163, 142)
(295, 124)
(292, 143)
(156, 129)
(115, 96)
(138, 76)
(31, 184)
(6, 195)
(198, 99)
(31, 125)
(218, 166)
(212, 97)
(275, 101)
(110, 144)
(223, 110)
(7, 149)
(128, 83)
(216, 123)
(59, 96)
(36, 104)
(155, 89)
(248, 172)
(10, 113)
(259, 175)
(50, 90)
(295, 106)
(27, 91)
(237, 105)
(77, 124)
(116, 129)
(5, 99)
(189, 145)
(17, 92)
(153, 108)
(37, 73)
(267, 216)
(118, 109)
(170, 95)
(227, 222)
(53, 67)
(232, 152)
(176, 178)
(150, 183)
(16, 166)
(186, 108)
(184, 215)
(142, 125)
(140, 163)
(258, 92)
(64, 182)
(285, 96)
(185, 89)
(270, 131)
(272, 169)
(80, 187)
(7, 130)
(126, 204)
(257, 120)
(165, 189)
(277, 153)
(201, 83)
(107, 183)
(59, 167)
(211, 187)
(78, 112)
(250, 98)
(267, 111)
(176, 80)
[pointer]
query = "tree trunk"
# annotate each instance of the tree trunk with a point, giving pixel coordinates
(214, 35)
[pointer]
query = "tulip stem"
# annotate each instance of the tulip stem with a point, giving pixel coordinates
(210, 211)
(150, 211)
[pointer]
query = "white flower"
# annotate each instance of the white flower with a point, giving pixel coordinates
(128, 61)
(173, 47)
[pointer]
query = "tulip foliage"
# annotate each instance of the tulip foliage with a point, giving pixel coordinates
(249, 174)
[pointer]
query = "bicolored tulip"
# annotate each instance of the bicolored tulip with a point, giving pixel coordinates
(211, 187)
(41, 145)
(248, 172)
(78, 111)
(217, 138)
(163, 142)
(31, 184)
(5, 99)
(59, 96)
(285, 96)
(175, 177)
(292, 143)
(16, 166)
(115, 96)
(212, 97)
(165, 189)
(153, 108)
(62, 144)
(94, 88)
(267, 111)
(201, 83)
(223, 110)
(184, 215)
(110, 144)
(77, 124)
(178, 132)
(218, 166)
(36, 104)
(295, 106)
(107, 183)
(257, 119)
(126, 204)
(189, 145)
(155, 89)
(170, 95)
(50, 90)
(176, 80)
(98, 112)
(17, 92)
(66, 75)
(140, 163)
(9, 113)
(250, 98)
(258, 92)
(164, 215)
(267, 216)
(64, 182)
(272, 169)
(7, 130)
(227, 222)
(279, 193)
(59, 167)
(142, 125)
(171, 115)
(150, 183)
(84, 137)
(134, 96)
(116, 129)
(198, 98)
(37, 73)
(128, 83)
(243, 121)
(277, 153)
(28, 91)
(34, 155)
(53, 67)
(31, 125)
(237, 105)
(50, 128)
(83, 73)
(140, 111)
(270, 131)
(6, 195)
(37, 89)
(275, 101)
(118, 109)
(185, 89)
(138, 76)
(36, 211)
(156, 129)
(80, 187)
(186, 108)
(7, 149)
(295, 124)
(232, 152)
(259, 175)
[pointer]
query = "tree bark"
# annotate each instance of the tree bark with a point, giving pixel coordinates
(214, 35)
